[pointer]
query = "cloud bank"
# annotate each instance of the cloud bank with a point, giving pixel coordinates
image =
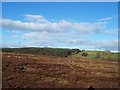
(39, 23)
(60, 33)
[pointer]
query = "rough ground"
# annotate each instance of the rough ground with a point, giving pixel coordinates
(34, 71)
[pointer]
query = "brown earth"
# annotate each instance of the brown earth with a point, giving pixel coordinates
(37, 71)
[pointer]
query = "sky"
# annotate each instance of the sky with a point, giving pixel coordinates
(83, 25)
(60, 0)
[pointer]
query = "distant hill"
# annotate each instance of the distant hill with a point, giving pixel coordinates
(62, 52)
(65, 52)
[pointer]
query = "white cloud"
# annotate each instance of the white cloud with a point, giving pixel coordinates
(97, 44)
(107, 44)
(89, 27)
(105, 19)
(35, 18)
(19, 25)
(39, 23)
(36, 36)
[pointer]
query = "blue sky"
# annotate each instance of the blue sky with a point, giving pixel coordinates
(80, 25)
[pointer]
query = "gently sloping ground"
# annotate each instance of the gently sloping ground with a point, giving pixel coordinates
(24, 71)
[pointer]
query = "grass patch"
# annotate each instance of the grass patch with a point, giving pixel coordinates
(60, 81)
(92, 55)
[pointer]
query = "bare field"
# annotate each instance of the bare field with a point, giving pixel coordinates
(37, 71)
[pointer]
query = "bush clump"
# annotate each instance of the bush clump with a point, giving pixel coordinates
(85, 54)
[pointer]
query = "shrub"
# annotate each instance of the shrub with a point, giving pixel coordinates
(85, 54)
(98, 55)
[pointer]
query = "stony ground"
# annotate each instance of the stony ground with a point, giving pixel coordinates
(34, 71)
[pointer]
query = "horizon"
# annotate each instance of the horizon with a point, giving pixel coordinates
(83, 25)
(64, 48)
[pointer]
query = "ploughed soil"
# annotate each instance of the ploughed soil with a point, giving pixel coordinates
(37, 71)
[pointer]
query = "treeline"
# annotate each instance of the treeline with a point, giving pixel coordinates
(43, 51)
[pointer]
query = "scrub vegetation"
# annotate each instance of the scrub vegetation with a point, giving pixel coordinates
(30, 68)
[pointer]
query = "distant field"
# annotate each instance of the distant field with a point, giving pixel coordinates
(92, 55)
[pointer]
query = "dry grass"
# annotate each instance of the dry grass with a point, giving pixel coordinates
(33, 71)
